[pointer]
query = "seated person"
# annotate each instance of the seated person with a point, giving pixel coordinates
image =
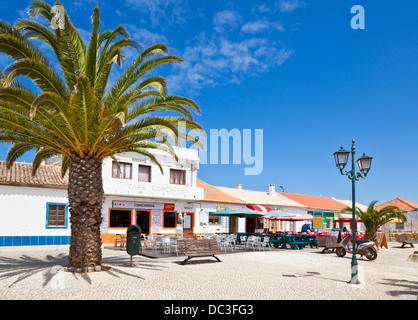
(306, 227)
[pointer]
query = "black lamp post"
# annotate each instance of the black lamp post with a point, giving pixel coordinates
(364, 163)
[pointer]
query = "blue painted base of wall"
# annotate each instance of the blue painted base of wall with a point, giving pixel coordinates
(10, 241)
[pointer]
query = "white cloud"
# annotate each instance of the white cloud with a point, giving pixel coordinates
(262, 25)
(145, 37)
(226, 20)
(290, 5)
(263, 8)
(217, 61)
(161, 12)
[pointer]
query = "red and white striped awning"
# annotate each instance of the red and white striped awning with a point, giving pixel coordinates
(262, 209)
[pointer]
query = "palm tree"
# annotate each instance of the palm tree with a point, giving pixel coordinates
(373, 219)
(74, 112)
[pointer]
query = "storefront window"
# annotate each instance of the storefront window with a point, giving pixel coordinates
(170, 219)
(214, 219)
(120, 218)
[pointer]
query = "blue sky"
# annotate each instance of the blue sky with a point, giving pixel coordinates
(295, 69)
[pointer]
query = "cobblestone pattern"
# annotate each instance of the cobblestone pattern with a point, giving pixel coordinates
(277, 274)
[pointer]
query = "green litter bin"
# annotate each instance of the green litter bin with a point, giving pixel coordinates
(133, 240)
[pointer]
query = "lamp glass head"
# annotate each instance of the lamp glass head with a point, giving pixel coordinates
(364, 163)
(341, 158)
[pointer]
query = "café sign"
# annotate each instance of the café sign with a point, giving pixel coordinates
(137, 205)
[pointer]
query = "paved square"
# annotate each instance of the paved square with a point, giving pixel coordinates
(271, 275)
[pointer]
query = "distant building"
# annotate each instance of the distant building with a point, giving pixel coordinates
(409, 209)
(334, 211)
(272, 200)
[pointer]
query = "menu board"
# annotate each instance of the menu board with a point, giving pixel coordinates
(381, 240)
(157, 218)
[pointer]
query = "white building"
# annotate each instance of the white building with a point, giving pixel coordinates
(34, 210)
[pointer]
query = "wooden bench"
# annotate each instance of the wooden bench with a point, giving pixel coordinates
(328, 242)
(405, 239)
(198, 248)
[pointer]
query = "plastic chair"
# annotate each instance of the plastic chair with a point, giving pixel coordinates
(253, 241)
(265, 243)
(228, 241)
(173, 245)
(243, 240)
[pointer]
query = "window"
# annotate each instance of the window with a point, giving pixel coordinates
(56, 215)
(144, 173)
(120, 218)
(124, 171)
(177, 176)
(329, 223)
(169, 219)
(214, 219)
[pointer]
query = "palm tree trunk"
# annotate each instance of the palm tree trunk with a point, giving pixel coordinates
(85, 196)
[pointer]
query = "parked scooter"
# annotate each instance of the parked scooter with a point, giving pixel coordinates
(366, 248)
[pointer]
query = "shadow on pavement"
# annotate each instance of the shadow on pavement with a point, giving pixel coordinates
(405, 287)
(26, 266)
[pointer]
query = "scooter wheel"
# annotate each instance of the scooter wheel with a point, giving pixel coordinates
(340, 252)
(371, 254)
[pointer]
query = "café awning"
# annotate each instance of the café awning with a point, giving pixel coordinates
(262, 209)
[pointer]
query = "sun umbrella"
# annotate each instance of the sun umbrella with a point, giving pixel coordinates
(248, 213)
(277, 214)
(224, 213)
(241, 213)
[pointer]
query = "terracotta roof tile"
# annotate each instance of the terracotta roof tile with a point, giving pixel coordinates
(213, 194)
(315, 202)
(21, 174)
(403, 204)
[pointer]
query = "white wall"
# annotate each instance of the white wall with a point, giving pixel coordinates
(160, 182)
(23, 210)
(202, 210)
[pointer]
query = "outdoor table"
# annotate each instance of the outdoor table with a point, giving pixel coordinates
(280, 240)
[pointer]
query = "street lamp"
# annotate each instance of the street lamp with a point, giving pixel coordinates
(364, 163)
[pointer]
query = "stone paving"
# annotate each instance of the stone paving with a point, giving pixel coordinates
(270, 275)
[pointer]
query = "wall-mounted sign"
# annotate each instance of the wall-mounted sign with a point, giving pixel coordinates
(318, 220)
(137, 205)
(169, 206)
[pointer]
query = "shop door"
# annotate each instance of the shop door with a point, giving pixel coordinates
(188, 223)
(143, 220)
(233, 224)
(250, 224)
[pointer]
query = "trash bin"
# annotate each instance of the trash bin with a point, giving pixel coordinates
(133, 240)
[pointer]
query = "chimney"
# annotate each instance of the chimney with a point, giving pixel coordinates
(238, 186)
(272, 189)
